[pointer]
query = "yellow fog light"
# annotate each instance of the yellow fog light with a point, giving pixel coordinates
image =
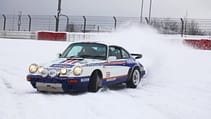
(63, 71)
(33, 68)
(77, 70)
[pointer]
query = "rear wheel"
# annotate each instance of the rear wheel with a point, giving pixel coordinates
(94, 83)
(134, 79)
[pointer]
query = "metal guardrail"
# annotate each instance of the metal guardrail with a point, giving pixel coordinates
(18, 34)
(102, 24)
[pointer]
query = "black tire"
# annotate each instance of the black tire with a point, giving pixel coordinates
(134, 79)
(94, 82)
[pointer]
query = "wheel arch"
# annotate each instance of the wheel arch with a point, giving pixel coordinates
(94, 82)
(131, 71)
(99, 72)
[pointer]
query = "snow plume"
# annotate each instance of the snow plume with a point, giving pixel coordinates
(155, 48)
(162, 55)
(179, 76)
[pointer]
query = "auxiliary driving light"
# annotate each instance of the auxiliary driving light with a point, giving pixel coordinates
(77, 70)
(52, 73)
(44, 73)
(33, 68)
(63, 71)
(41, 69)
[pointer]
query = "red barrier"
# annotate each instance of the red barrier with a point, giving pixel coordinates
(204, 44)
(52, 36)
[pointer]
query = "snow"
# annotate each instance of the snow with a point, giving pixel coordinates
(177, 84)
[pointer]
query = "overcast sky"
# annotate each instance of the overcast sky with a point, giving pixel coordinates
(160, 8)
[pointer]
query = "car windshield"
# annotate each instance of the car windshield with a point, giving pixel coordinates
(86, 50)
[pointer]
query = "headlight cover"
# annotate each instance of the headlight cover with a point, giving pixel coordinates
(77, 70)
(33, 68)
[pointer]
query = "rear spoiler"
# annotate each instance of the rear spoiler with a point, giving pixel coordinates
(137, 56)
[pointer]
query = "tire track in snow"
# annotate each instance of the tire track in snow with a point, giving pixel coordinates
(9, 92)
(7, 85)
(135, 99)
(147, 94)
(5, 82)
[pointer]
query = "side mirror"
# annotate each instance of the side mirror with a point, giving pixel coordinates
(59, 55)
(111, 58)
(137, 56)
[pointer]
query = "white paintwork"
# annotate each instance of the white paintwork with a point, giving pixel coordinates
(89, 65)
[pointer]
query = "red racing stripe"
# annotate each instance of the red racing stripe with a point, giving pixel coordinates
(107, 78)
(70, 61)
(120, 62)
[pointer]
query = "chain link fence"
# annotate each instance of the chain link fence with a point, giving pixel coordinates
(181, 26)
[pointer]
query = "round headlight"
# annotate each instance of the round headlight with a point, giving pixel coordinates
(77, 70)
(63, 71)
(33, 68)
(44, 73)
(41, 69)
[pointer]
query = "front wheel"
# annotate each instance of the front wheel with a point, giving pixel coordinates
(94, 83)
(134, 79)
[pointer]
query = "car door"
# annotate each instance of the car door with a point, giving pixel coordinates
(116, 70)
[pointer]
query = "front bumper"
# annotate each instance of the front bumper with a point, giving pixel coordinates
(59, 84)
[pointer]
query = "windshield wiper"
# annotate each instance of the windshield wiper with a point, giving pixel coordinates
(74, 57)
(91, 56)
(100, 57)
(86, 56)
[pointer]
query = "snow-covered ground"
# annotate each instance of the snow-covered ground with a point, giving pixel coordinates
(177, 84)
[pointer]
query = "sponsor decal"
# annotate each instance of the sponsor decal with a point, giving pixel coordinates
(115, 63)
(114, 77)
(93, 64)
(67, 63)
(85, 80)
(108, 74)
(62, 65)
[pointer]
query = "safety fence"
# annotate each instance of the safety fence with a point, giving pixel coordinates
(198, 42)
(183, 26)
(53, 36)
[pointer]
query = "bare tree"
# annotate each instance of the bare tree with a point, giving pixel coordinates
(166, 26)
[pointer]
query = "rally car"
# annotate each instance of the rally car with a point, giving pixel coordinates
(87, 66)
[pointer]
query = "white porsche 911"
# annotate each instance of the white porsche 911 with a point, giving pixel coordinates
(87, 66)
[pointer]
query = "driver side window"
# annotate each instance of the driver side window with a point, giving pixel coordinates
(115, 51)
(125, 55)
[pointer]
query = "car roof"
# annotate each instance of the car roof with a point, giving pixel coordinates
(98, 42)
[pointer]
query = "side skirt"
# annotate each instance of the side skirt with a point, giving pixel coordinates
(114, 80)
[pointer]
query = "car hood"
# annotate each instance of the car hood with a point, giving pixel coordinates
(69, 63)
